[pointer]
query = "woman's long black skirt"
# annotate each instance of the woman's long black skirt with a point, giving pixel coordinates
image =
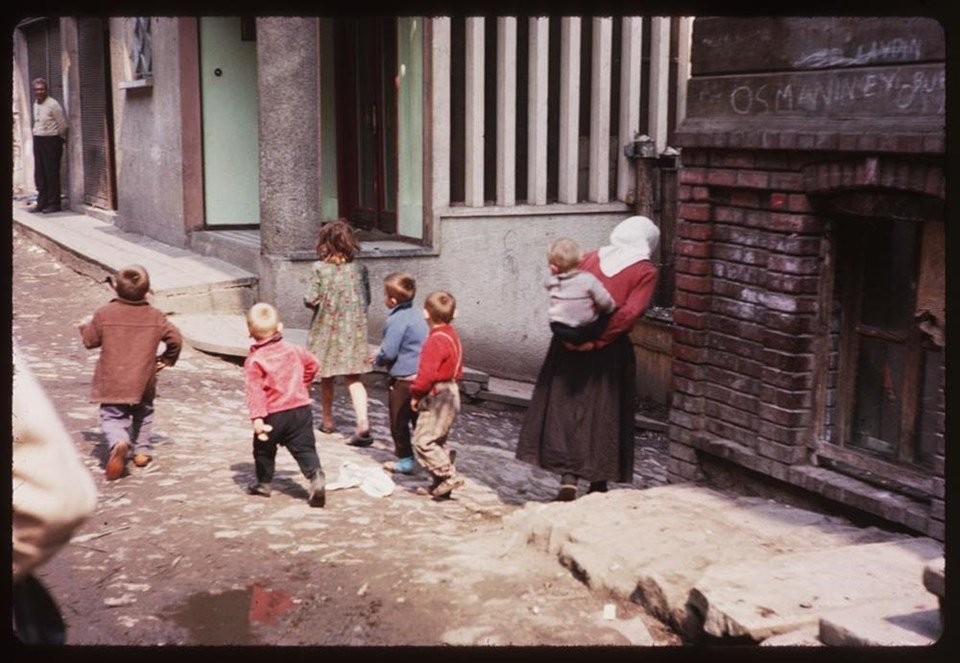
(581, 416)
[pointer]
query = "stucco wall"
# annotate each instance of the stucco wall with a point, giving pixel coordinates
(494, 267)
(147, 131)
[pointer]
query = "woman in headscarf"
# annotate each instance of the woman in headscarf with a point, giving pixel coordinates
(581, 417)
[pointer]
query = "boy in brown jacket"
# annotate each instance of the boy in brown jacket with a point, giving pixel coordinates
(128, 332)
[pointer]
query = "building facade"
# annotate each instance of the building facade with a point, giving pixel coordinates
(809, 334)
(460, 146)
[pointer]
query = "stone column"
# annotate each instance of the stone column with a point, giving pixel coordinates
(288, 63)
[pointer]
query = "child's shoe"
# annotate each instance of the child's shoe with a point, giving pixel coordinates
(445, 487)
(257, 488)
(117, 462)
(406, 465)
(317, 494)
(141, 460)
(360, 440)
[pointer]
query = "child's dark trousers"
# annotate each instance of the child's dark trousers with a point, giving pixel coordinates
(292, 429)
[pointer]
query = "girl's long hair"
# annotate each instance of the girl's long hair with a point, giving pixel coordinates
(337, 241)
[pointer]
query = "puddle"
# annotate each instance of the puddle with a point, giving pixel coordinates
(227, 618)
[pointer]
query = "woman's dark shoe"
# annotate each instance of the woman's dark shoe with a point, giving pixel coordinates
(566, 494)
(597, 487)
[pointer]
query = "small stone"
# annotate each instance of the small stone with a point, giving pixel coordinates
(610, 611)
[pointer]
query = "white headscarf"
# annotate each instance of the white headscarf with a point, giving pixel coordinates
(633, 240)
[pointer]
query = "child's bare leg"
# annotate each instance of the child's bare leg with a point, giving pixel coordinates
(326, 401)
(358, 396)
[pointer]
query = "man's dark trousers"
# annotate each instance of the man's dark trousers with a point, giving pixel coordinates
(47, 154)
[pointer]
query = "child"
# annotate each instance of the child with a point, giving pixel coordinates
(434, 393)
(339, 295)
(277, 376)
(128, 330)
(403, 334)
(580, 306)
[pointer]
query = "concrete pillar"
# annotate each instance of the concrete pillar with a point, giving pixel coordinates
(474, 113)
(599, 190)
(537, 89)
(288, 63)
(630, 73)
(569, 148)
(506, 110)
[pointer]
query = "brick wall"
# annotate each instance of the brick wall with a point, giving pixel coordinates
(747, 259)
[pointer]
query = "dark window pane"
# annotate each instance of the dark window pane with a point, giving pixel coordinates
(890, 253)
(876, 421)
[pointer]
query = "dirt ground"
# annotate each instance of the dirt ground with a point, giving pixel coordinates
(177, 554)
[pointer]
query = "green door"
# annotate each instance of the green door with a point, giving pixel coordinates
(228, 85)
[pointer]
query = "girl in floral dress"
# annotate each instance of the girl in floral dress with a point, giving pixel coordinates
(339, 294)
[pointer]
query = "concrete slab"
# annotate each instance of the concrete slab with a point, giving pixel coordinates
(788, 591)
(897, 623)
(104, 244)
(181, 281)
(654, 546)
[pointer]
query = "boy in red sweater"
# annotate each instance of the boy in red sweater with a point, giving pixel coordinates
(277, 376)
(435, 396)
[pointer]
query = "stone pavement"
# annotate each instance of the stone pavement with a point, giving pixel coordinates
(711, 564)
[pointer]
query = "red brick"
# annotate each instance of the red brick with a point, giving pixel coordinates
(691, 249)
(687, 336)
(784, 417)
(798, 246)
(790, 283)
(740, 254)
(691, 404)
(728, 159)
(741, 383)
(735, 345)
(699, 284)
(786, 181)
(727, 413)
(739, 236)
(791, 454)
(692, 266)
(791, 400)
(721, 177)
(794, 264)
(787, 342)
(686, 318)
(739, 272)
(685, 192)
(728, 214)
(934, 182)
(782, 434)
(682, 419)
(694, 157)
(735, 309)
(727, 431)
(784, 380)
(687, 300)
(743, 329)
(934, 144)
(737, 399)
(687, 353)
(778, 200)
(694, 211)
(754, 179)
(686, 369)
(791, 363)
(787, 322)
(692, 175)
(695, 231)
(798, 202)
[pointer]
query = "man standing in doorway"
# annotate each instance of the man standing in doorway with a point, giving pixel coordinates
(49, 135)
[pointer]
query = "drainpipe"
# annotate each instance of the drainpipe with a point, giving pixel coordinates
(643, 152)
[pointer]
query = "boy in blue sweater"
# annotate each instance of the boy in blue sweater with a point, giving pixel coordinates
(403, 334)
